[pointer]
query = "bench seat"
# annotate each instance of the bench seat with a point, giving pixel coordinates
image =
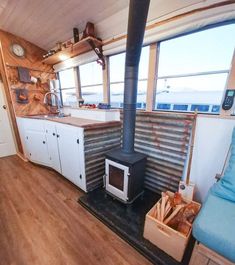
(214, 227)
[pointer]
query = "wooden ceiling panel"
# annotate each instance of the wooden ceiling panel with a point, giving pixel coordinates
(44, 22)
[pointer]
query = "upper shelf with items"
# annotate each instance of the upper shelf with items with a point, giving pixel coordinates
(85, 45)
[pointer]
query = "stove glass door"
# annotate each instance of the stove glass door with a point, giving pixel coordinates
(116, 179)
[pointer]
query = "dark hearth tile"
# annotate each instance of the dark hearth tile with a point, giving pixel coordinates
(128, 222)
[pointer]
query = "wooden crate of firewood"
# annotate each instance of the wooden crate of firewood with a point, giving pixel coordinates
(168, 224)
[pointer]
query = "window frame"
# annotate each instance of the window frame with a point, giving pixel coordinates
(211, 26)
(151, 79)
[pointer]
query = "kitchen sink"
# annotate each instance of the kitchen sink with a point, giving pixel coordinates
(56, 116)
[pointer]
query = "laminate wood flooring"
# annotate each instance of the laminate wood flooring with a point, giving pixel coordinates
(41, 222)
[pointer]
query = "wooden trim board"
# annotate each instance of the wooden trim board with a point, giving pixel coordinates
(152, 76)
(230, 84)
(204, 256)
(76, 49)
(106, 82)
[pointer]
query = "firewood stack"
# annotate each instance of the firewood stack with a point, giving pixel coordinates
(175, 212)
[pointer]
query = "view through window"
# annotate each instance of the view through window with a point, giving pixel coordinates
(68, 90)
(91, 83)
(193, 70)
(117, 68)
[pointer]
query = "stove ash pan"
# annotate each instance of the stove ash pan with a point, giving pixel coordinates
(124, 175)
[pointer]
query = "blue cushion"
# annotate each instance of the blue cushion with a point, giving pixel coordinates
(225, 188)
(214, 226)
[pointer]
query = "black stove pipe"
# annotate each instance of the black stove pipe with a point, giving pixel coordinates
(138, 11)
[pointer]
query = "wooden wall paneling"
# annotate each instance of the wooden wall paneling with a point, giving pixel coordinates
(32, 60)
(106, 82)
(9, 72)
(152, 76)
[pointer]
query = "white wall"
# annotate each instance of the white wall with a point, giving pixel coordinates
(212, 141)
(93, 114)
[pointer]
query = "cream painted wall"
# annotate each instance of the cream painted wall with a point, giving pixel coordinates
(93, 114)
(212, 141)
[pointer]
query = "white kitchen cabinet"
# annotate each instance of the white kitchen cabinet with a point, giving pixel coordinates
(36, 142)
(70, 143)
(58, 146)
(75, 152)
(52, 144)
(37, 147)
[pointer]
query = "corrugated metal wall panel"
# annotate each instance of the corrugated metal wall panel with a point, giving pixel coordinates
(164, 137)
(96, 143)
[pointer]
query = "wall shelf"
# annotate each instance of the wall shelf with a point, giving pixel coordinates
(83, 46)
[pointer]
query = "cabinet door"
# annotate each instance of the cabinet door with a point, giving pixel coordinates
(37, 147)
(68, 141)
(52, 143)
(20, 124)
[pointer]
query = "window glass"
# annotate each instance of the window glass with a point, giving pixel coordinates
(193, 69)
(69, 97)
(91, 78)
(68, 90)
(117, 72)
(202, 51)
(67, 78)
(117, 67)
(92, 94)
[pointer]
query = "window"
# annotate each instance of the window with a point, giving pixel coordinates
(193, 70)
(68, 89)
(91, 79)
(117, 68)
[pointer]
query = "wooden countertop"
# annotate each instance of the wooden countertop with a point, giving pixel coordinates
(78, 122)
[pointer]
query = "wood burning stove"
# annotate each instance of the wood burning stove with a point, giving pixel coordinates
(125, 168)
(124, 176)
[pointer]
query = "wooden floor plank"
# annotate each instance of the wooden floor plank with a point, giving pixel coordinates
(41, 222)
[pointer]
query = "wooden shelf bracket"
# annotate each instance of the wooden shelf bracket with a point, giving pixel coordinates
(99, 52)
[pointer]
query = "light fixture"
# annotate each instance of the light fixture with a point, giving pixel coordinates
(63, 57)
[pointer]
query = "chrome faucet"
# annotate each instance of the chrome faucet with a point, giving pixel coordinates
(45, 101)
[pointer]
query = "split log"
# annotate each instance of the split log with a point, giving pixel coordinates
(174, 213)
(163, 203)
(158, 212)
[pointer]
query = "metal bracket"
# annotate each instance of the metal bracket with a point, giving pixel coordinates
(99, 52)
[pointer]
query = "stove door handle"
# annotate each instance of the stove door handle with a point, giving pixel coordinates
(104, 180)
